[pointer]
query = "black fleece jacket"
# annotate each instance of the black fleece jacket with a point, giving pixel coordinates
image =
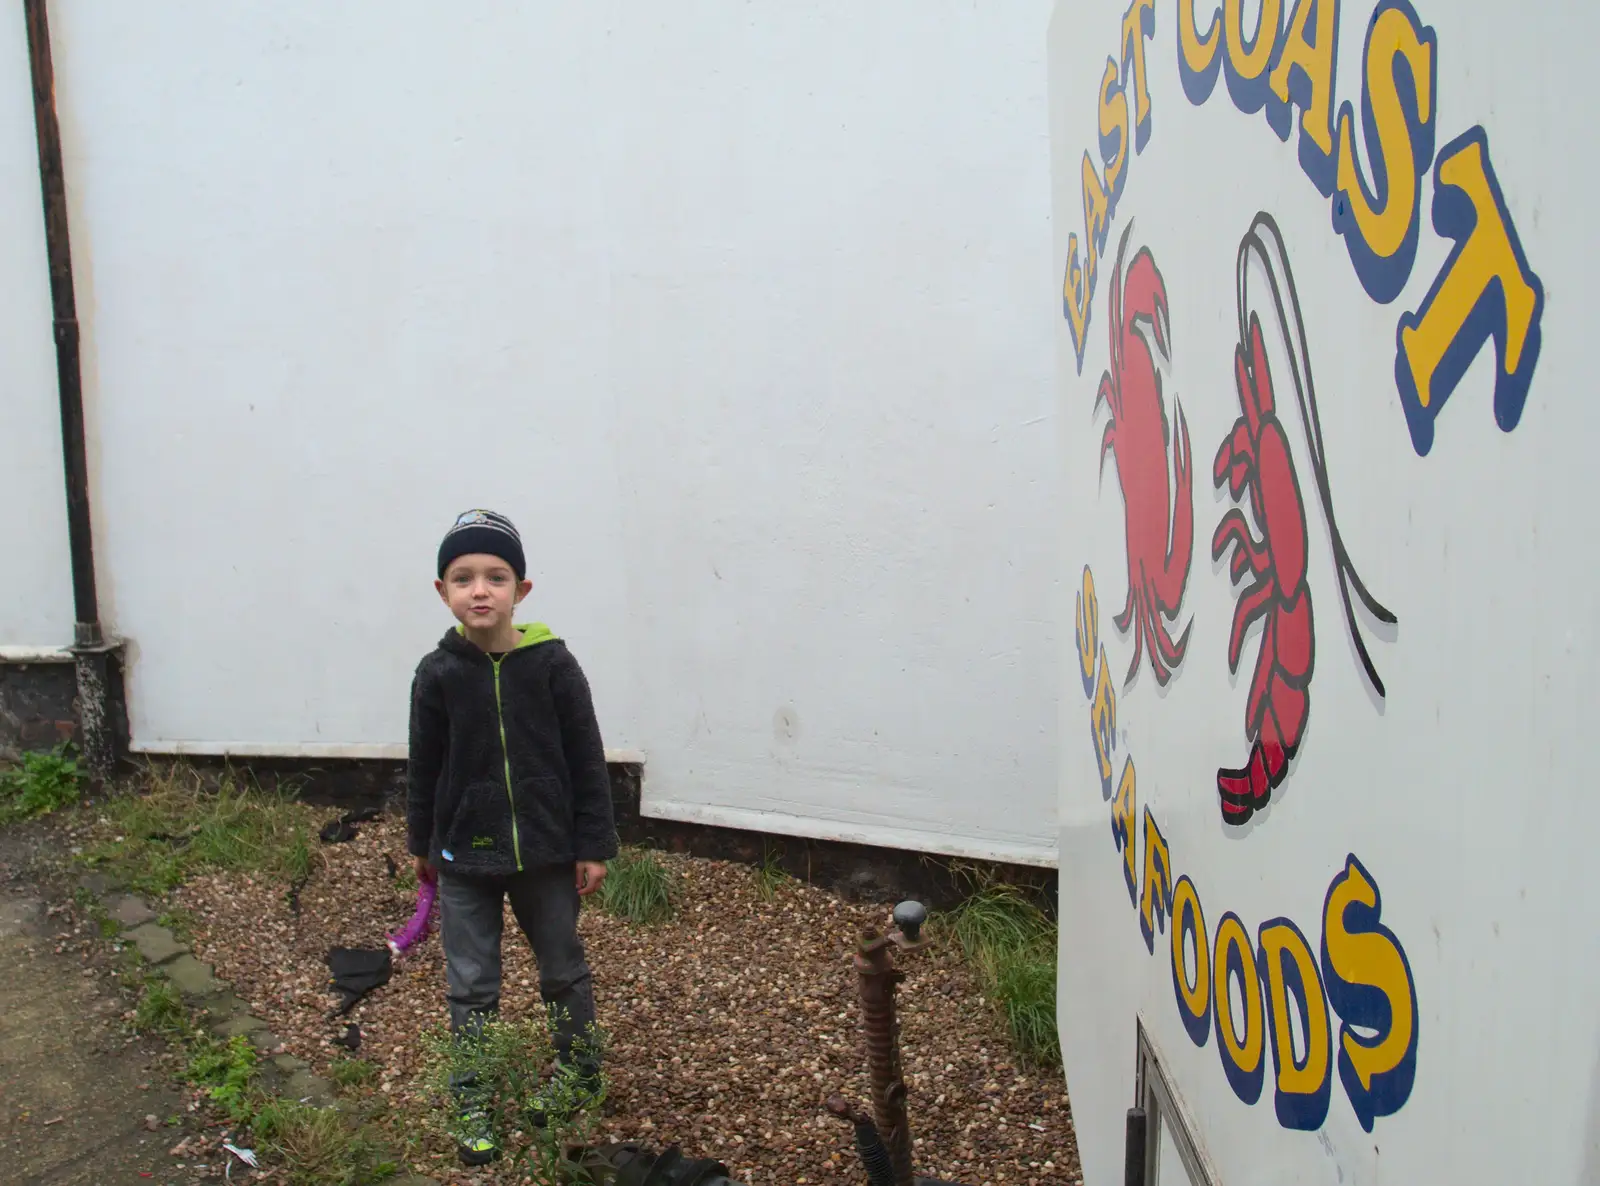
(507, 769)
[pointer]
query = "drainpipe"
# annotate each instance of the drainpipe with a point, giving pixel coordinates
(97, 658)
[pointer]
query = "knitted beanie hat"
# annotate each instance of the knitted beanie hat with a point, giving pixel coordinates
(485, 533)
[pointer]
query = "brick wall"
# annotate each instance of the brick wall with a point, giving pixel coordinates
(38, 706)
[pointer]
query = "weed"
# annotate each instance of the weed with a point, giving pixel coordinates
(319, 1146)
(160, 1009)
(298, 858)
(352, 1072)
(639, 887)
(1025, 986)
(176, 920)
(497, 1072)
(770, 875)
(43, 783)
(996, 920)
(227, 1070)
(155, 840)
(1011, 944)
(91, 908)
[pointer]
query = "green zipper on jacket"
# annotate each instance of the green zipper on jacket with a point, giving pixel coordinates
(499, 712)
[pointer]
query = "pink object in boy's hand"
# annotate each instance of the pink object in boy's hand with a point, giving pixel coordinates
(427, 892)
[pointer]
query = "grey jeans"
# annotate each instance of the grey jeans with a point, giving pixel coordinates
(545, 903)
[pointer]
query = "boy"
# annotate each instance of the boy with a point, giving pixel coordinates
(507, 796)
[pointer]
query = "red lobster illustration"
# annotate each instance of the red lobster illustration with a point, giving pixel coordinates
(1254, 459)
(1157, 499)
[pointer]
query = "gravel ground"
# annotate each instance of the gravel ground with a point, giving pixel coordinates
(728, 1025)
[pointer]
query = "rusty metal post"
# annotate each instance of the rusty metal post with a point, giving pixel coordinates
(878, 978)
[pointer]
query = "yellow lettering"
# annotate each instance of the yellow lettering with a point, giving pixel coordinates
(1242, 1052)
(1461, 312)
(1315, 62)
(1137, 23)
(1076, 291)
(1095, 211)
(1087, 630)
(1103, 723)
(1303, 1083)
(1113, 128)
(1194, 996)
(1360, 955)
(1385, 222)
(1123, 813)
(1197, 55)
(1155, 900)
(1249, 63)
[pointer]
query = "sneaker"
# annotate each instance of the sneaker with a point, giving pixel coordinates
(582, 1086)
(479, 1147)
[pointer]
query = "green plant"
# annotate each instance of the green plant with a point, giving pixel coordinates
(177, 920)
(1011, 944)
(154, 840)
(352, 1072)
(43, 783)
(227, 1070)
(160, 1009)
(1025, 986)
(770, 875)
(298, 857)
(319, 1146)
(498, 1071)
(639, 887)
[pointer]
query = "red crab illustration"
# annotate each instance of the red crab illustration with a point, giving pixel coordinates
(1157, 498)
(1255, 458)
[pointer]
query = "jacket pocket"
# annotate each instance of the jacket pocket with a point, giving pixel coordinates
(480, 828)
(544, 817)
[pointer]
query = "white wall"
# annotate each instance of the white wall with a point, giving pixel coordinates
(35, 565)
(735, 311)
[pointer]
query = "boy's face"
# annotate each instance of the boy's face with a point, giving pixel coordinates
(482, 592)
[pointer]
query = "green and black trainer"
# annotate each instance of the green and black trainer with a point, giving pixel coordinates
(476, 1144)
(572, 1088)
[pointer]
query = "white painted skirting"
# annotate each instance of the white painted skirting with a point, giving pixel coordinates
(309, 749)
(877, 835)
(21, 655)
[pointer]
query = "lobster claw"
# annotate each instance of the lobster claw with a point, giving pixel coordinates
(1235, 460)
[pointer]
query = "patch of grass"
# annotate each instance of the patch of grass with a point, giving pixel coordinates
(94, 910)
(154, 840)
(43, 783)
(160, 1009)
(770, 875)
(352, 1072)
(639, 887)
(178, 921)
(227, 1070)
(1011, 944)
(316, 1146)
(504, 1063)
(319, 1146)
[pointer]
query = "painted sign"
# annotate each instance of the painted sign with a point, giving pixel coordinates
(1281, 762)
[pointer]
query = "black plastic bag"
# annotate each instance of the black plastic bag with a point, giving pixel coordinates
(356, 971)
